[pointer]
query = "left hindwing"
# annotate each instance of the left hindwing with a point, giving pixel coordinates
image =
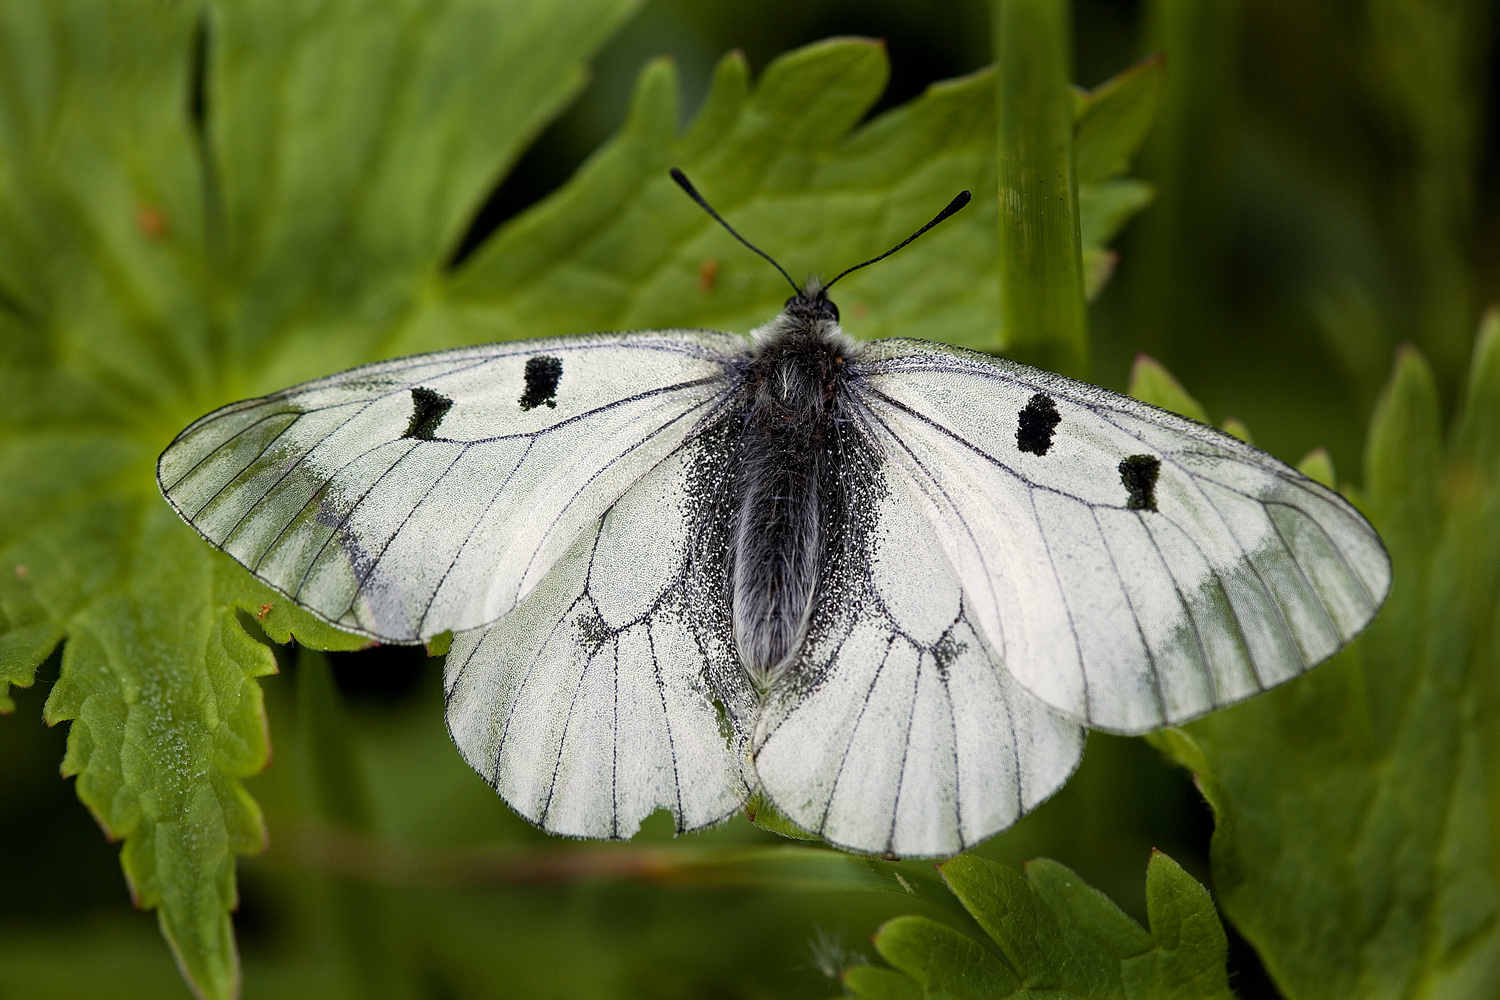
(1132, 568)
(613, 689)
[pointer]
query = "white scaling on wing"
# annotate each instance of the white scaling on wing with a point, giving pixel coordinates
(337, 495)
(1239, 575)
(590, 706)
(904, 735)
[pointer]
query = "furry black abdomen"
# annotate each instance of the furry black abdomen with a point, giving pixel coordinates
(788, 489)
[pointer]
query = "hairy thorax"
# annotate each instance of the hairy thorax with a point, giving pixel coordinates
(789, 492)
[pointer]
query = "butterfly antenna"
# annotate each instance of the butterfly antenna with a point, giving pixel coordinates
(958, 202)
(687, 185)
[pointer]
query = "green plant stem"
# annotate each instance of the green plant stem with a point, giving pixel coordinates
(360, 857)
(1181, 241)
(1041, 272)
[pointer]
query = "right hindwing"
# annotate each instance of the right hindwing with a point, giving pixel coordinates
(896, 730)
(412, 497)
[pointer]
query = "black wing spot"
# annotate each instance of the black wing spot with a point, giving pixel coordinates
(1138, 473)
(946, 652)
(592, 632)
(428, 410)
(1036, 423)
(542, 373)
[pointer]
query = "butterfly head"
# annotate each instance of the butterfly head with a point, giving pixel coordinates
(811, 303)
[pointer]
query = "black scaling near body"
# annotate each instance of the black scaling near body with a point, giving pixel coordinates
(790, 498)
(790, 493)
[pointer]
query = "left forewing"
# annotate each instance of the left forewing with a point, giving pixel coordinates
(431, 493)
(1133, 568)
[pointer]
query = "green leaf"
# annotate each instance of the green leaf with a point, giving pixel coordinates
(1056, 936)
(870, 982)
(764, 814)
(1357, 807)
(148, 273)
(943, 962)
(342, 200)
(1041, 263)
(620, 247)
(1190, 948)
(1150, 382)
(1112, 122)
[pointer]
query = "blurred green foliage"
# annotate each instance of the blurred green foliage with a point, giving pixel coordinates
(206, 200)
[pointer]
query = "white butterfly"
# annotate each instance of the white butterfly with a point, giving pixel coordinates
(884, 584)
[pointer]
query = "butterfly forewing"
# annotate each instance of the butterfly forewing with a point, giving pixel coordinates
(428, 494)
(1132, 568)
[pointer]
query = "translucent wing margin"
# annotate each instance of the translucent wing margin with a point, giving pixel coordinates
(1131, 567)
(412, 497)
(897, 731)
(606, 695)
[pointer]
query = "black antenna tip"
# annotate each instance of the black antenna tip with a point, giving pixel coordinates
(959, 201)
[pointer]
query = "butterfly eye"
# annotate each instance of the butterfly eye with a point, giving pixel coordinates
(831, 309)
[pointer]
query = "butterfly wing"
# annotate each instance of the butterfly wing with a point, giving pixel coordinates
(897, 731)
(611, 691)
(1131, 567)
(411, 497)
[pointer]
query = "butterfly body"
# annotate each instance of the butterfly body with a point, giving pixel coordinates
(788, 491)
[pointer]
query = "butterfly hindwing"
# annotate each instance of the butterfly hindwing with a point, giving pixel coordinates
(427, 494)
(896, 731)
(1131, 567)
(608, 693)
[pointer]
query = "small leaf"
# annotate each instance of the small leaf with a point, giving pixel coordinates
(870, 982)
(944, 962)
(1150, 382)
(1191, 950)
(1317, 465)
(1114, 118)
(1105, 207)
(1098, 267)
(1112, 122)
(764, 814)
(1234, 427)
(1060, 937)
(439, 644)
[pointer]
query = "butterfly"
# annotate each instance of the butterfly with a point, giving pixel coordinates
(884, 586)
